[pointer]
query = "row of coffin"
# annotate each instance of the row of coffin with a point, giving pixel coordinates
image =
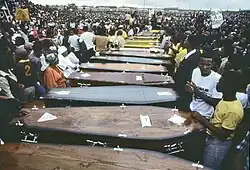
(125, 123)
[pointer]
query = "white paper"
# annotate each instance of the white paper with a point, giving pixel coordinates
(145, 121)
(138, 78)
(177, 119)
(165, 93)
(85, 75)
(1, 142)
(46, 117)
(63, 92)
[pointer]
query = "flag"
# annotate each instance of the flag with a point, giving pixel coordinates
(22, 14)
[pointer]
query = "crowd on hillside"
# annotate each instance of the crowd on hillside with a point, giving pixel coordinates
(39, 54)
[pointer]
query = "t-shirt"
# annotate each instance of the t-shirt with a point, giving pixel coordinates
(88, 38)
(26, 73)
(73, 41)
(228, 115)
(206, 85)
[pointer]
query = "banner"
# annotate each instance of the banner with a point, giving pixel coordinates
(216, 19)
(22, 14)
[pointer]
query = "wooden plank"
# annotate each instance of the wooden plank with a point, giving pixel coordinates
(110, 121)
(115, 78)
(120, 67)
(141, 46)
(59, 157)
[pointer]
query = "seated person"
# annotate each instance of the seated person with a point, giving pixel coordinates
(53, 75)
(117, 41)
(26, 75)
(65, 61)
(227, 117)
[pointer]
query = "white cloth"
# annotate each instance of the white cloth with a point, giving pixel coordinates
(190, 53)
(72, 57)
(43, 63)
(164, 41)
(131, 32)
(119, 40)
(206, 85)
(65, 62)
(88, 38)
(73, 41)
(243, 97)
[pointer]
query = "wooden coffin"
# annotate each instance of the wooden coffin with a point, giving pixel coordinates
(141, 46)
(121, 59)
(123, 67)
(111, 126)
(142, 41)
(114, 78)
(145, 53)
(110, 95)
(62, 157)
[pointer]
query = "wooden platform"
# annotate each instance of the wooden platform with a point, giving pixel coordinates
(51, 157)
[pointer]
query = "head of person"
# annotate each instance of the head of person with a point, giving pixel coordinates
(19, 41)
(206, 63)
(52, 59)
(21, 54)
(85, 28)
(119, 33)
(63, 51)
(193, 42)
(227, 83)
(37, 48)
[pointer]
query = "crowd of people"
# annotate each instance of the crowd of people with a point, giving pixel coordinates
(212, 66)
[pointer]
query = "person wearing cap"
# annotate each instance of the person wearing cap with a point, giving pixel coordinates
(26, 75)
(53, 76)
(124, 34)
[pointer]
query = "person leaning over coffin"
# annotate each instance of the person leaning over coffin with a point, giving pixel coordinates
(53, 75)
(203, 87)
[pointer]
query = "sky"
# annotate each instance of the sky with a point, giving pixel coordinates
(185, 4)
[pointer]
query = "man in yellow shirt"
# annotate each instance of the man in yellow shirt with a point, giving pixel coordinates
(227, 116)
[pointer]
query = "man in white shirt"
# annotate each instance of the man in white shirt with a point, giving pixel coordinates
(74, 43)
(203, 87)
(88, 38)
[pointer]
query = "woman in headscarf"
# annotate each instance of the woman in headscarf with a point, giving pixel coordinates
(53, 75)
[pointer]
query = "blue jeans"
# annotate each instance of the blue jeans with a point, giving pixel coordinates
(215, 152)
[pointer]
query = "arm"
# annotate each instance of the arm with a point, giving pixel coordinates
(192, 88)
(220, 133)
(210, 100)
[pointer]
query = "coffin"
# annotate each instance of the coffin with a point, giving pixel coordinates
(110, 95)
(121, 59)
(114, 78)
(59, 157)
(123, 67)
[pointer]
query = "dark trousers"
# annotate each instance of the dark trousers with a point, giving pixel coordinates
(86, 55)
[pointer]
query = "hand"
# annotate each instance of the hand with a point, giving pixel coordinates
(21, 86)
(23, 112)
(190, 87)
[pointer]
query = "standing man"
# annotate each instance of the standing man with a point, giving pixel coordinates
(74, 44)
(88, 39)
(221, 129)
